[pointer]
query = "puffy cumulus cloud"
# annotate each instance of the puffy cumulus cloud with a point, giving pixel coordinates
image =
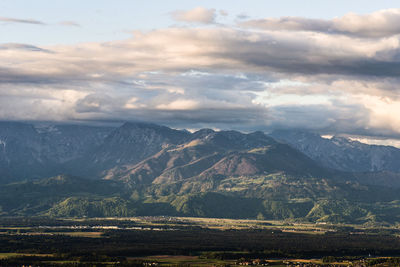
(383, 23)
(219, 76)
(379, 24)
(24, 21)
(30, 102)
(197, 15)
(383, 112)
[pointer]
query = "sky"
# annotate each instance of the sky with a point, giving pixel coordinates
(328, 66)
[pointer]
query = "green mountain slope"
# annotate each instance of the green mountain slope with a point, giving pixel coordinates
(218, 154)
(224, 174)
(35, 197)
(274, 196)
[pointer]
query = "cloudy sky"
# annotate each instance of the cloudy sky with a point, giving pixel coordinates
(329, 66)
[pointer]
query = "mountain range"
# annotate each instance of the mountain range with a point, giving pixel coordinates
(147, 169)
(342, 153)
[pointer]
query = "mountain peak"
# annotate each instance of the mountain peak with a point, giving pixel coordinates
(132, 124)
(342, 153)
(202, 133)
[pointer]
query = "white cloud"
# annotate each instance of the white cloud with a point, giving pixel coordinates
(383, 112)
(197, 15)
(378, 24)
(375, 141)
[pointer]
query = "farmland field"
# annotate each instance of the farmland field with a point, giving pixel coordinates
(179, 241)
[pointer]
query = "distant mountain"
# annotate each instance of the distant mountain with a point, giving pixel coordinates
(341, 153)
(128, 144)
(208, 154)
(30, 151)
(146, 169)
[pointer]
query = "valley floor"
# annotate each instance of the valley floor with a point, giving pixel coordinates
(179, 241)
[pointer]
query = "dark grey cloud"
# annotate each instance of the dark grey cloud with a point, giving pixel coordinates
(17, 76)
(309, 60)
(379, 24)
(291, 24)
(250, 119)
(299, 63)
(340, 118)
